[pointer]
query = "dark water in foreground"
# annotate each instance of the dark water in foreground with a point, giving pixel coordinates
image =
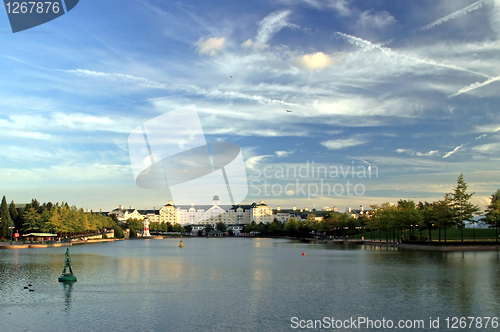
(241, 285)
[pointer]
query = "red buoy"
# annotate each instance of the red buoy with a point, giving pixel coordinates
(303, 254)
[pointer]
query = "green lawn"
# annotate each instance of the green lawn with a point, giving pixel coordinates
(452, 234)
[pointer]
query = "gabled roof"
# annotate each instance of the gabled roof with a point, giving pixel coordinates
(144, 212)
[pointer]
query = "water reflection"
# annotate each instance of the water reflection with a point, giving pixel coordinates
(67, 287)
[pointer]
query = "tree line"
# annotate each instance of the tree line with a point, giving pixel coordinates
(59, 218)
(407, 219)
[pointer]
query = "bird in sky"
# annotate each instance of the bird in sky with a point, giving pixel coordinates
(289, 111)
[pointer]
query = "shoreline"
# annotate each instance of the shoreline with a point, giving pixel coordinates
(435, 246)
(7, 245)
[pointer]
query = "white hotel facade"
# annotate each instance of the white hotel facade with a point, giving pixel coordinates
(201, 214)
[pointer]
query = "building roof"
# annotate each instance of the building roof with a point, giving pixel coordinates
(144, 212)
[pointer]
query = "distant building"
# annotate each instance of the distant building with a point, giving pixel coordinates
(125, 214)
(231, 215)
(201, 214)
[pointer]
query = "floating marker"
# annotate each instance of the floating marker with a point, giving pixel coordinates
(67, 274)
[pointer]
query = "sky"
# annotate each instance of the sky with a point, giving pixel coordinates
(406, 93)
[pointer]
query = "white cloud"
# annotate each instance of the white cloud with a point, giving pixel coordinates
(341, 6)
(272, 24)
(430, 153)
(337, 144)
(125, 78)
(378, 20)
(491, 148)
(318, 60)
(459, 13)
(369, 46)
(412, 152)
(249, 43)
(254, 161)
(453, 151)
(282, 154)
(211, 46)
(34, 126)
(25, 134)
(475, 86)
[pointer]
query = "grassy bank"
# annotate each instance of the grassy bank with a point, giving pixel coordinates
(452, 234)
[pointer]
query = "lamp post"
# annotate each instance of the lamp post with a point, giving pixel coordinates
(11, 227)
(473, 231)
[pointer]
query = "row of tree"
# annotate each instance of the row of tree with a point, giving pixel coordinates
(403, 219)
(48, 217)
(453, 211)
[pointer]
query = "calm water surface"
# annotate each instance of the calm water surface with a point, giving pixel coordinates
(236, 284)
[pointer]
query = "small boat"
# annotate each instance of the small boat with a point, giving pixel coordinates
(67, 274)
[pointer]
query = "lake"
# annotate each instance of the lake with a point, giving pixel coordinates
(245, 284)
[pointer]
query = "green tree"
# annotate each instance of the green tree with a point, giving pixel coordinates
(463, 209)
(153, 226)
(443, 214)
(133, 232)
(428, 217)
(492, 212)
(208, 228)
(5, 220)
(30, 217)
(384, 218)
(221, 227)
(136, 223)
(292, 227)
(331, 224)
(408, 217)
(178, 228)
(276, 226)
(13, 211)
(188, 228)
(251, 227)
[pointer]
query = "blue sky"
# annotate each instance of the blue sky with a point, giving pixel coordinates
(407, 88)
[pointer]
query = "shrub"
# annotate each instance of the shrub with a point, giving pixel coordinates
(119, 232)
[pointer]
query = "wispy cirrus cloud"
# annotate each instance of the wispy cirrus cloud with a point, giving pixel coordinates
(272, 24)
(412, 152)
(338, 144)
(116, 77)
(378, 20)
(389, 52)
(457, 14)
(474, 86)
(450, 153)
